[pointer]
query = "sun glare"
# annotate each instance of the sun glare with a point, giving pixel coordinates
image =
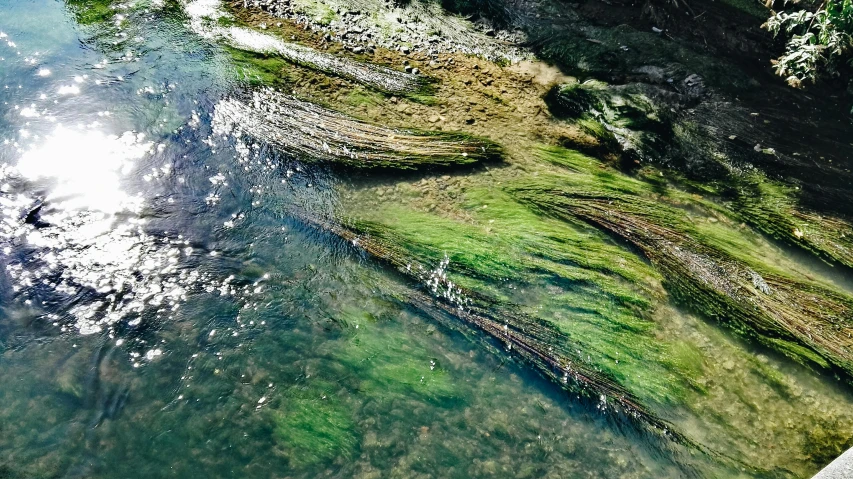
(85, 168)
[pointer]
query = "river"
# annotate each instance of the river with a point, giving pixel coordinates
(166, 314)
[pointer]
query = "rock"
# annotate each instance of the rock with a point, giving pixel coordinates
(415, 71)
(693, 85)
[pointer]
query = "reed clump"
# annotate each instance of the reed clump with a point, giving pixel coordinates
(313, 133)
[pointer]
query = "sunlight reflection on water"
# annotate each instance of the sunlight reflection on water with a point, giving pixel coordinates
(85, 168)
(79, 233)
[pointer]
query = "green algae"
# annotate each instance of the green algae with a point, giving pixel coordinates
(591, 304)
(632, 117)
(539, 341)
(258, 69)
(664, 367)
(314, 133)
(772, 208)
(393, 367)
(314, 427)
(708, 268)
(90, 12)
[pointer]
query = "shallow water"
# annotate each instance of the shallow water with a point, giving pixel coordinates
(163, 315)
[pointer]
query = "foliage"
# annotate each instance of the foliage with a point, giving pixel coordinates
(818, 41)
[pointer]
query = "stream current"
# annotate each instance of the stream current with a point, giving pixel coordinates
(161, 315)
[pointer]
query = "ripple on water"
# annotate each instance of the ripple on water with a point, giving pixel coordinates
(74, 236)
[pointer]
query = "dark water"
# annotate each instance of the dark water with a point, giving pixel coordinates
(162, 315)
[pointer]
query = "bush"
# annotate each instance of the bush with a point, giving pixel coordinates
(819, 40)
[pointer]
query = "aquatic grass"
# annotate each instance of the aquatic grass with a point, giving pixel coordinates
(313, 427)
(258, 69)
(553, 352)
(390, 367)
(513, 246)
(314, 133)
(633, 117)
(574, 253)
(90, 12)
(805, 320)
(772, 208)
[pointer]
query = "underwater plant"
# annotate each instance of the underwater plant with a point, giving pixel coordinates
(806, 321)
(313, 132)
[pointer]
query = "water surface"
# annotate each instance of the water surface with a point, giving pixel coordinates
(163, 316)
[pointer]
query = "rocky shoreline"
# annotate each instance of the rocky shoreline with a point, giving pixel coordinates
(413, 27)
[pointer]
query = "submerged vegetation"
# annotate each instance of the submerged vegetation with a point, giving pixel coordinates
(586, 225)
(718, 152)
(313, 132)
(314, 429)
(570, 262)
(804, 320)
(90, 12)
(544, 344)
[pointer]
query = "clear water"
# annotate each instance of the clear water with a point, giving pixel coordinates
(163, 317)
